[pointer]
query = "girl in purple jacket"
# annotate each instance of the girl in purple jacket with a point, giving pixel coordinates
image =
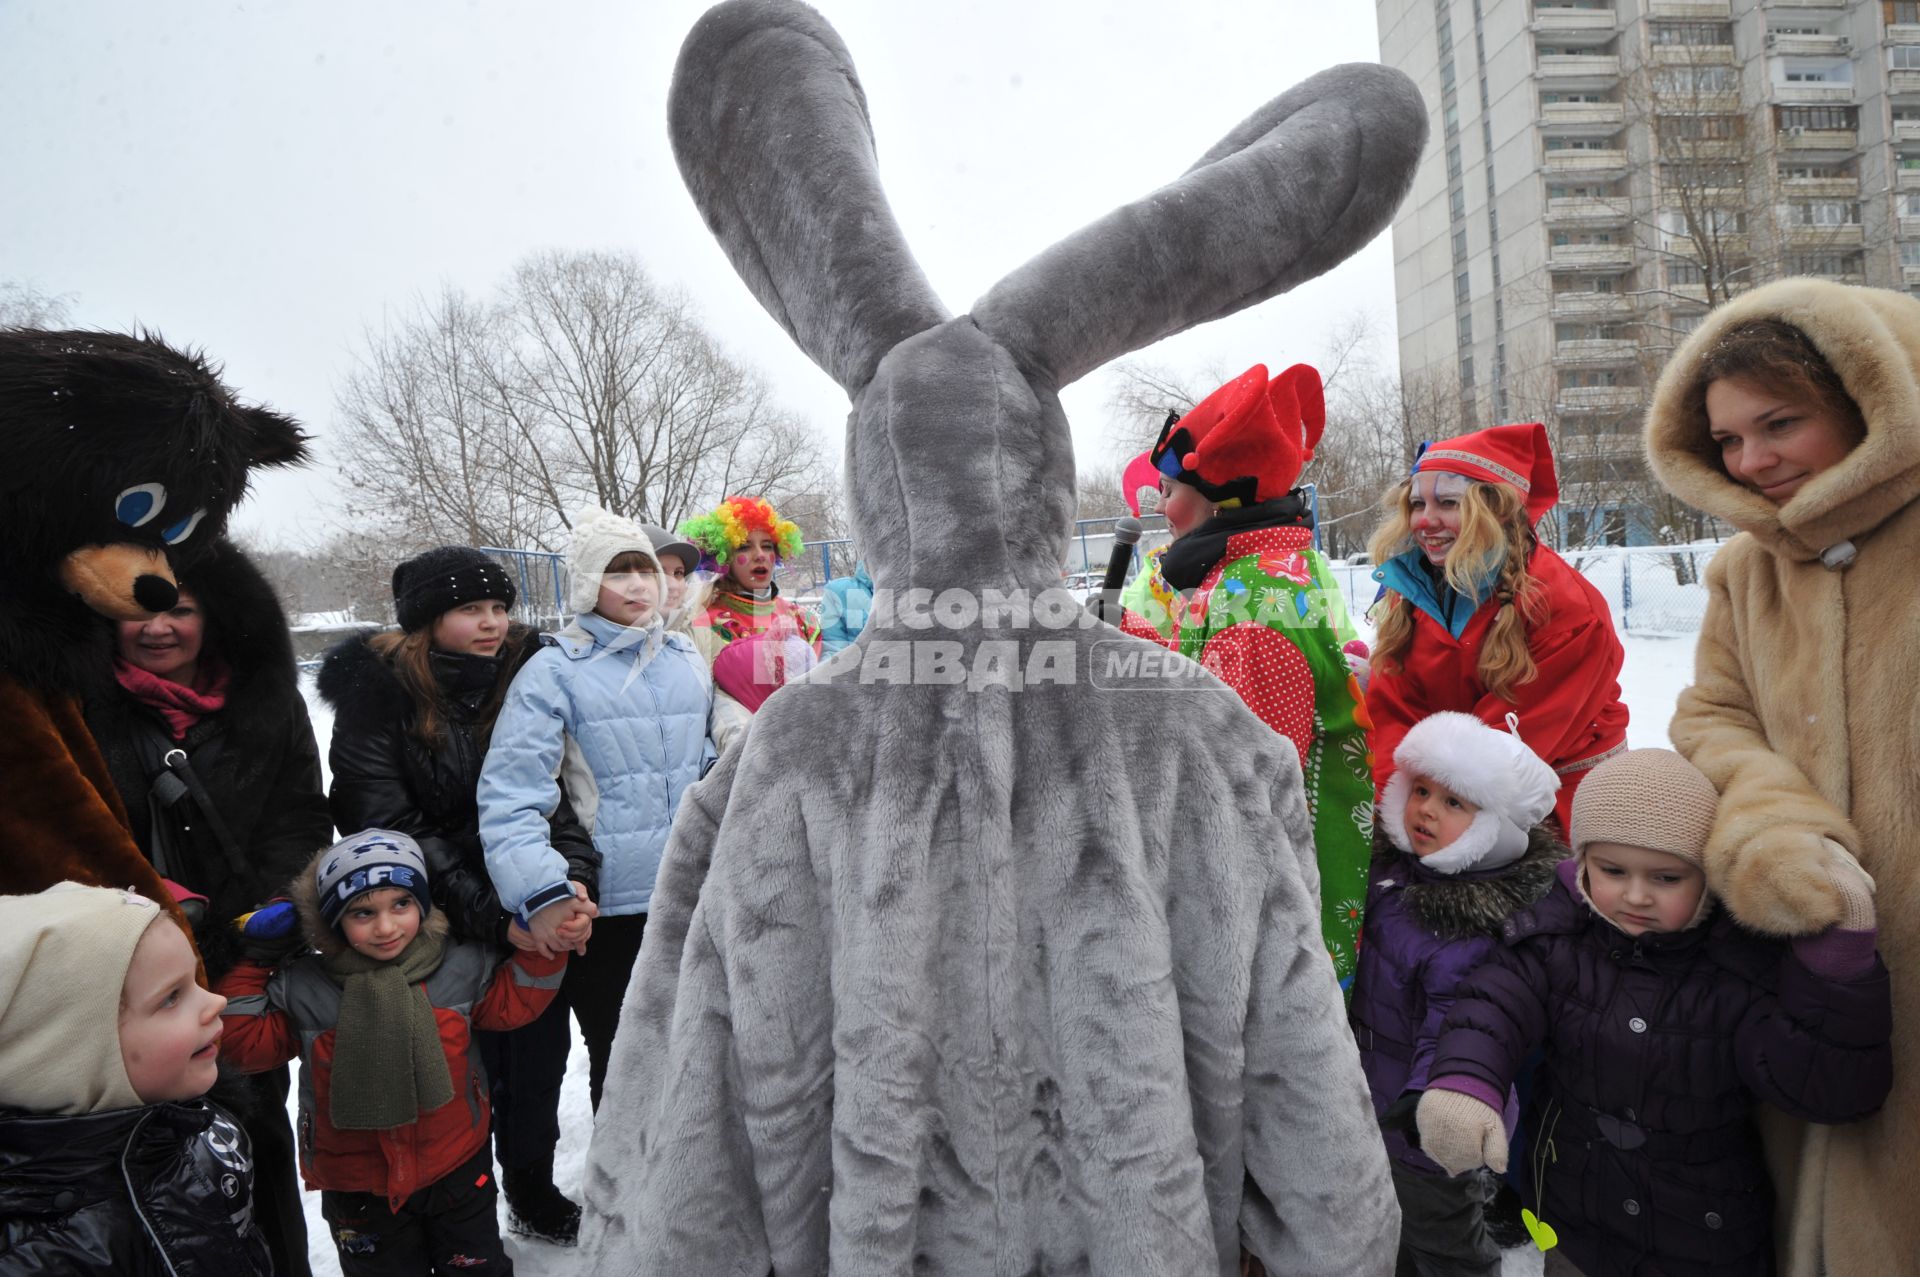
(1663, 1023)
(1458, 847)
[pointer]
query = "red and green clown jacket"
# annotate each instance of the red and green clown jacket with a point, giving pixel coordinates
(1270, 622)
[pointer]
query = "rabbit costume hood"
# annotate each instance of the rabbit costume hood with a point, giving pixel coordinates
(940, 973)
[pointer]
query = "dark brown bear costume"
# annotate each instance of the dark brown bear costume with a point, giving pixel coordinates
(120, 459)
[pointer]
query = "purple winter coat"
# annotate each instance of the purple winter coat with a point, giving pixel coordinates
(1424, 932)
(1657, 1047)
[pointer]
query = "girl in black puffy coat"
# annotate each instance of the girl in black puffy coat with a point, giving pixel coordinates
(414, 710)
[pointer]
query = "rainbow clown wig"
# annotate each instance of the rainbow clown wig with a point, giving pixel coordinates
(723, 530)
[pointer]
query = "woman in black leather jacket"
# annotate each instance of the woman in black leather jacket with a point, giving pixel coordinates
(413, 713)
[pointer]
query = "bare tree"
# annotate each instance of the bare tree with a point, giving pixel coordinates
(1100, 494)
(581, 382)
(22, 305)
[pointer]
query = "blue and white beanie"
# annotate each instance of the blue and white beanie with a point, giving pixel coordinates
(368, 861)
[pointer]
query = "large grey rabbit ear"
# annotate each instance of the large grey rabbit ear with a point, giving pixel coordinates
(769, 125)
(1293, 191)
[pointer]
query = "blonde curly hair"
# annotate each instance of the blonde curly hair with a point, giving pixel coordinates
(1494, 530)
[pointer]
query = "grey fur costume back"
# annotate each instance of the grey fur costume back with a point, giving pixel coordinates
(962, 979)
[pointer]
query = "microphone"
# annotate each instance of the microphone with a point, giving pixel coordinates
(1126, 535)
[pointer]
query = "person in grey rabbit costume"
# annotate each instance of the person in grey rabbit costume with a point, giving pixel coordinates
(1019, 978)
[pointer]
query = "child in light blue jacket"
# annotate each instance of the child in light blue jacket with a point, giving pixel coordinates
(614, 708)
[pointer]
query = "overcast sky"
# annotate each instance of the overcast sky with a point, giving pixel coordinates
(268, 180)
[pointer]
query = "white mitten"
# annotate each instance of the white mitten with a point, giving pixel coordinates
(1460, 1132)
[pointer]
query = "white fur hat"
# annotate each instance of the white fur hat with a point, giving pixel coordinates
(598, 539)
(1493, 769)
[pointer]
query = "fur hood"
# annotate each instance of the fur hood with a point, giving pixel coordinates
(246, 626)
(1871, 336)
(305, 894)
(362, 689)
(1462, 906)
(246, 630)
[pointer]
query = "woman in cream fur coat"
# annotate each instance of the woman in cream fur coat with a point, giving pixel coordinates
(1793, 413)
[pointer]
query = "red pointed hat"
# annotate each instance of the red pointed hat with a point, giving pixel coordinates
(1518, 456)
(1249, 439)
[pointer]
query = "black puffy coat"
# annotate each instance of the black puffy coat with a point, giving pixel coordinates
(256, 756)
(385, 776)
(1657, 1048)
(162, 1189)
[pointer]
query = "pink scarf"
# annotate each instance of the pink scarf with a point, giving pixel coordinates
(181, 706)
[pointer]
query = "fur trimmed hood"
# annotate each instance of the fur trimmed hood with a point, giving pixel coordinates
(1871, 336)
(246, 626)
(1460, 906)
(304, 891)
(363, 690)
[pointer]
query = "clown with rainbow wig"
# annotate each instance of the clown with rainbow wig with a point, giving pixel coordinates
(743, 540)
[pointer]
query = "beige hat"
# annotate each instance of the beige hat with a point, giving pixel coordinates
(1650, 798)
(64, 954)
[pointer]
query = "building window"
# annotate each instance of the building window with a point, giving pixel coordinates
(1907, 11)
(1680, 274)
(1712, 221)
(1466, 371)
(1904, 57)
(1817, 72)
(1830, 265)
(1822, 213)
(1694, 128)
(1691, 33)
(1463, 330)
(1790, 119)
(1683, 80)
(1457, 203)
(1910, 252)
(1909, 204)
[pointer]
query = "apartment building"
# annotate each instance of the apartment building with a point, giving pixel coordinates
(1603, 171)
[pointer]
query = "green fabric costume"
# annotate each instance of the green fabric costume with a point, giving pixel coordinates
(1271, 622)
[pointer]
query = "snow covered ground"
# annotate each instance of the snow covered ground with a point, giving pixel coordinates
(1656, 671)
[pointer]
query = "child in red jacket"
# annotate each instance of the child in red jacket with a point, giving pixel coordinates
(393, 1099)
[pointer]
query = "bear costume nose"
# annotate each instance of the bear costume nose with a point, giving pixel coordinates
(155, 593)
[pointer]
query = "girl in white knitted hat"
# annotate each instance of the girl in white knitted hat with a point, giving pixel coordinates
(615, 709)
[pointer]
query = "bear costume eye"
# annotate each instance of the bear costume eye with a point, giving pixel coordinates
(183, 529)
(139, 503)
